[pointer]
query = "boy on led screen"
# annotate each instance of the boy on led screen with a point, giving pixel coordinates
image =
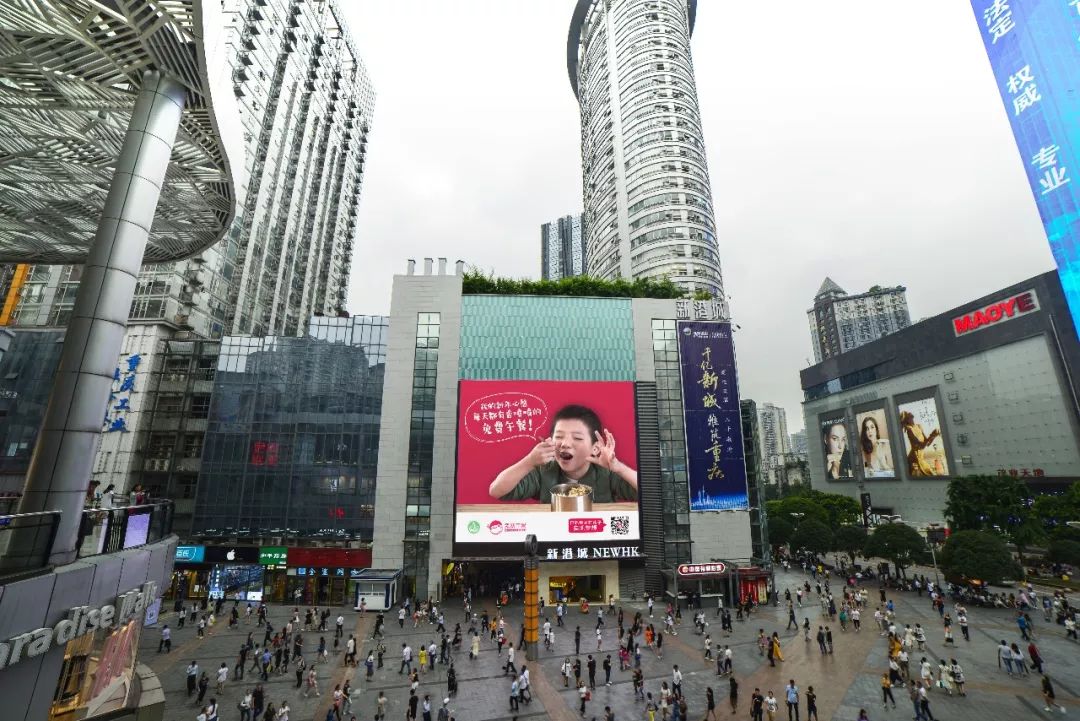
(579, 451)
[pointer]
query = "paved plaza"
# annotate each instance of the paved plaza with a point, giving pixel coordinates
(845, 681)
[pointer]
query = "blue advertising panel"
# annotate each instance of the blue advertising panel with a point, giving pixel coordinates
(190, 554)
(1034, 50)
(715, 468)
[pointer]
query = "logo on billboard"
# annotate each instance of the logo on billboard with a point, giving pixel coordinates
(1020, 304)
(586, 525)
(495, 528)
(474, 527)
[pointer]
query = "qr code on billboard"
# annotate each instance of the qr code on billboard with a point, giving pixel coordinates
(620, 525)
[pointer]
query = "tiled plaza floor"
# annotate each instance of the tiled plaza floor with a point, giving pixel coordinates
(844, 681)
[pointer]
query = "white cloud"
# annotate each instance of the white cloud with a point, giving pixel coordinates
(865, 141)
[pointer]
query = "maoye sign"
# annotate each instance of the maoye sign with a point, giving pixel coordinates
(79, 621)
(1014, 307)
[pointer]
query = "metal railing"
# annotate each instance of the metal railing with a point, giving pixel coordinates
(26, 541)
(108, 530)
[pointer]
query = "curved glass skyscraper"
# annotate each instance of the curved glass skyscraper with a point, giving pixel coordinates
(648, 205)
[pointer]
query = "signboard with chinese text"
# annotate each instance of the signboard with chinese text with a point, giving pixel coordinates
(715, 467)
(519, 442)
(119, 404)
(1034, 50)
(273, 555)
(701, 569)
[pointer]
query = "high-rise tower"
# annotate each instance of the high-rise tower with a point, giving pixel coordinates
(562, 248)
(648, 205)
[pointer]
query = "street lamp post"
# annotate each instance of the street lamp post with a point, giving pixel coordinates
(933, 555)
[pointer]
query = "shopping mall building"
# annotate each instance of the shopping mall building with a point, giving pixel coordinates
(473, 384)
(987, 388)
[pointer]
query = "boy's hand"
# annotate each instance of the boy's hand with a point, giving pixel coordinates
(605, 446)
(543, 452)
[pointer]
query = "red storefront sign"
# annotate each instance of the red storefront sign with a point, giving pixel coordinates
(702, 569)
(997, 312)
(329, 557)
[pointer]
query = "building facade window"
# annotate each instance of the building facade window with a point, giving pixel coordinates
(421, 452)
(673, 482)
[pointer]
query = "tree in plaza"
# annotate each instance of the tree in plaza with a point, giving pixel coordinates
(978, 555)
(1058, 508)
(850, 540)
(812, 536)
(1064, 551)
(796, 509)
(898, 543)
(997, 503)
(842, 509)
(780, 530)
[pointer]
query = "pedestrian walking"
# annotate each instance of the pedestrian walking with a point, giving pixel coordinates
(811, 704)
(710, 704)
(791, 694)
(192, 677)
(757, 705)
(886, 692)
(771, 706)
(312, 686)
(222, 676)
(733, 695)
(166, 639)
(204, 685)
(1048, 695)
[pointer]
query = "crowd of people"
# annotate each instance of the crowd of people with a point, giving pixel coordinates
(281, 651)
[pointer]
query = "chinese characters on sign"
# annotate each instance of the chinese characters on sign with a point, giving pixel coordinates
(1022, 473)
(501, 418)
(701, 569)
(701, 310)
(579, 553)
(715, 469)
(1034, 50)
(119, 404)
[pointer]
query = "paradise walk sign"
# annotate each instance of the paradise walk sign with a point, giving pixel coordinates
(79, 621)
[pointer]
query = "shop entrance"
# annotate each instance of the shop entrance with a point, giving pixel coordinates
(486, 579)
(574, 588)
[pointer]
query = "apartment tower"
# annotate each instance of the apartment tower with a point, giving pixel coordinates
(648, 204)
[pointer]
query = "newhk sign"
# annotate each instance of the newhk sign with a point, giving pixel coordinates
(997, 312)
(80, 620)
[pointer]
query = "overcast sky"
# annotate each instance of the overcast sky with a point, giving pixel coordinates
(861, 140)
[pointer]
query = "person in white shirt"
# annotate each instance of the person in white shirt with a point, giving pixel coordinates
(771, 705)
(222, 676)
(523, 685)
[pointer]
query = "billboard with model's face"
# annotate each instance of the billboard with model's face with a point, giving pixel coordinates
(836, 448)
(923, 445)
(557, 459)
(874, 444)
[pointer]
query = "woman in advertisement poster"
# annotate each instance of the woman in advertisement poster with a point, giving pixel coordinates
(917, 442)
(579, 451)
(877, 458)
(837, 454)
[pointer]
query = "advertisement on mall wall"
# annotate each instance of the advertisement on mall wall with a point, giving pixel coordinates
(874, 444)
(557, 459)
(715, 467)
(920, 427)
(836, 450)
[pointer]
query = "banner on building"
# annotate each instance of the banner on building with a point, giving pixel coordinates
(715, 467)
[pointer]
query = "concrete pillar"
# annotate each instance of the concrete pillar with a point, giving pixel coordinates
(60, 468)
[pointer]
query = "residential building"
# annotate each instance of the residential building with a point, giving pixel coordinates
(798, 442)
(647, 197)
(986, 388)
(305, 104)
(562, 248)
(840, 322)
(774, 438)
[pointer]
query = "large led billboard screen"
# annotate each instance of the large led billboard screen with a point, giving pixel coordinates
(557, 459)
(920, 427)
(1034, 52)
